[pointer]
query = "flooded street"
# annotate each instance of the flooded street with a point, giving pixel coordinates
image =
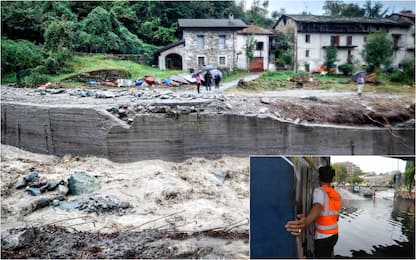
(379, 228)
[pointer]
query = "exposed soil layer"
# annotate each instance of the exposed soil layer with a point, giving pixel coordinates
(316, 106)
(57, 242)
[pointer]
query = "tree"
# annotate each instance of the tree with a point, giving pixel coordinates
(340, 172)
(356, 179)
(374, 11)
(249, 48)
(330, 57)
(409, 175)
(19, 55)
(378, 50)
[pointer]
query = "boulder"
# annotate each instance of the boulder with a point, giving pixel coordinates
(21, 183)
(81, 182)
(12, 239)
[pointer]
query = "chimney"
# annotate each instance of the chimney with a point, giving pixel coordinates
(231, 17)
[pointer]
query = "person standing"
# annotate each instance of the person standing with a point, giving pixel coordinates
(217, 80)
(324, 212)
(208, 78)
(360, 84)
(198, 82)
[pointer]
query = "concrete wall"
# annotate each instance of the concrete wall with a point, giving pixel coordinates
(87, 131)
(211, 50)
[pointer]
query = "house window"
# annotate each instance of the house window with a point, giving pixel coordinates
(335, 40)
(222, 60)
(307, 38)
(259, 46)
(349, 40)
(201, 41)
(201, 61)
(222, 42)
(396, 39)
(307, 53)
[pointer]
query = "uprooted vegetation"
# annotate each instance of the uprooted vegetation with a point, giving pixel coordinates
(197, 208)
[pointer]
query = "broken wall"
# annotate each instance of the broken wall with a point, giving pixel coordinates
(88, 131)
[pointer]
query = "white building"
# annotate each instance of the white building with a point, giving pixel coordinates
(261, 60)
(314, 33)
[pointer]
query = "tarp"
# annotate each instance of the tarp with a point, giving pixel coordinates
(179, 79)
(272, 205)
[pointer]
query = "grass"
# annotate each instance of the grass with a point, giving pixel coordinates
(227, 77)
(270, 81)
(80, 64)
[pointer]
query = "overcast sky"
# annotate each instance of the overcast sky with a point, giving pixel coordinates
(377, 164)
(315, 7)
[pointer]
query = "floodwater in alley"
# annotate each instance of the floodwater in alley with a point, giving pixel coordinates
(383, 227)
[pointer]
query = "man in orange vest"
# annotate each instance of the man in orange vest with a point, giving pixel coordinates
(324, 212)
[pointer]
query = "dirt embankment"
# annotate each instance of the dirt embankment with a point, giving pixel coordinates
(297, 105)
(197, 208)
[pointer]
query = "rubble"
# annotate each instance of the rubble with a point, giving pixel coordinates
(15, 238)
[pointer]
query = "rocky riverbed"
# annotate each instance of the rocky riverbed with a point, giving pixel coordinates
(196, 208)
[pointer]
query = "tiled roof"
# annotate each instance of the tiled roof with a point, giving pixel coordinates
(211, 23)
(409, 15)
(169, 46)
(338, 19)
(254, 29)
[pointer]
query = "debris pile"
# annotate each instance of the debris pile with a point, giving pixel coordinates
(95, 204)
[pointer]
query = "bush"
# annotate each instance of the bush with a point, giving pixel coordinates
(57, 62)
(19, 55)
(408, 66)
(346, 68)
(397, 76)
(378, 50)
(330, 57)
(34, 79)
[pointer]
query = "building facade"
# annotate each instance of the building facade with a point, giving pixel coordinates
(313, 34)
(261, 53)
(204, 42)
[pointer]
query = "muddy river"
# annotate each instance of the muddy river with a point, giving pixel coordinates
(376, 228)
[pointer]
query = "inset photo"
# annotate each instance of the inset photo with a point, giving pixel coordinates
(332, 206)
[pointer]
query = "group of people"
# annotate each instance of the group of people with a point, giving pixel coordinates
(208, 81)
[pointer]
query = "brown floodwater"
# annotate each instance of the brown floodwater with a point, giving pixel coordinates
(383, 227)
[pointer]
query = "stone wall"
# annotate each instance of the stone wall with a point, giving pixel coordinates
(88, 131)
(211, 50)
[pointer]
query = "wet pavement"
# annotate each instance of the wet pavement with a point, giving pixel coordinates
(376, 228)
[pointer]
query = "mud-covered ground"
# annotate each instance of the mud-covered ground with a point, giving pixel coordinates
(196, 208)
(296, 105)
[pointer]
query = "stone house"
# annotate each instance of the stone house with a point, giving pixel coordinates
(314, 33)
(204, 42)
(217, 42)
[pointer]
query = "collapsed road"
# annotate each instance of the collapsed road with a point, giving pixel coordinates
(126, 125)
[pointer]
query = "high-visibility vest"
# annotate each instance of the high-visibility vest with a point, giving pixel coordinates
(327, 222)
